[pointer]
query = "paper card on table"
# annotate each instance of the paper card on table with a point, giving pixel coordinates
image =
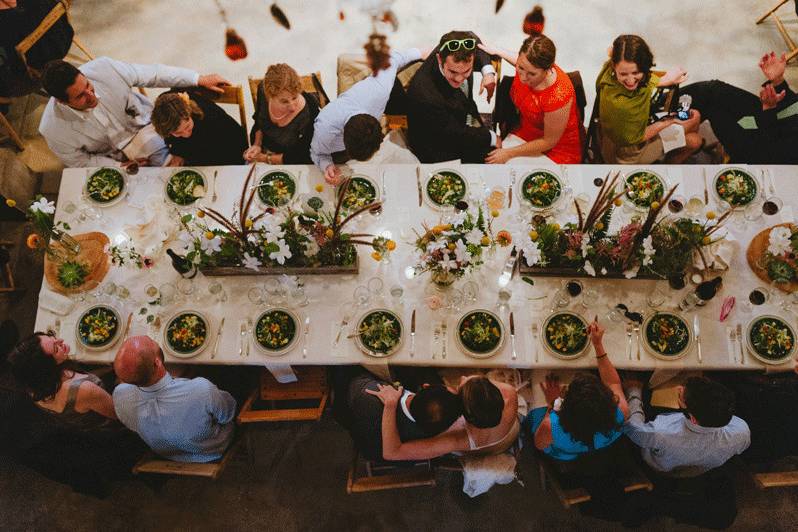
(55, 303)
(282, 373)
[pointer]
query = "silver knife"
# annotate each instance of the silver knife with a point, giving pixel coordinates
(413, 334)
(445, 335)
(740, 340)
(242, 332)
(418, 184)
(512, 335)
(305, 339)
(510, 192)
(697, 333)
(218, 337)
(249, 332)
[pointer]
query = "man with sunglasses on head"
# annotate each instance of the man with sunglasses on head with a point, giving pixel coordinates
(349, 126)
(443, 121)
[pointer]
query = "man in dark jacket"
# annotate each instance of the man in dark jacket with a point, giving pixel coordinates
(443, 120)
(753, 130)
(419, 415)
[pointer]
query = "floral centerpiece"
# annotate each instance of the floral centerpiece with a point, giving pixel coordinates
(449, 250)
(779, 260)
(41, 213)
(277, 239)
(644, 247)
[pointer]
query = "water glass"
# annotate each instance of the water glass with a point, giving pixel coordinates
(396, 293)
(656, 297)
(361, 296)
(151, 292)
(186, 288)
(690, 301)
(589, 298)
(753, 211)
(503, 303)
(375, 287)
(168, 293)
(470, 291)
(122, 292)
(255, 295)
(217, 292)
(276, 291)
(299, 297)
(616, 315)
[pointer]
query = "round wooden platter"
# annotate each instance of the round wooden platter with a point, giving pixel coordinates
(92, 253)
(757, 248)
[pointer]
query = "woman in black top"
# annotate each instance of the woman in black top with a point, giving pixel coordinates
(197, 131)
(284, 118)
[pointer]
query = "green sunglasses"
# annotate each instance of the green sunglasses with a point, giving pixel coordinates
(456, 44)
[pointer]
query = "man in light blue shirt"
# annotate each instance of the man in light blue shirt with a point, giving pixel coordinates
(691, 443)
(351, 122)
(187, 420)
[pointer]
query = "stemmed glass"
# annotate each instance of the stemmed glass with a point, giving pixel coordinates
(256, 296)
(772, 204)
(276, 291)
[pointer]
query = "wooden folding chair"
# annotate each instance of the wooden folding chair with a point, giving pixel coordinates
(782, 30)
(371, 475)
(151, 463)
(5, 124)
(272, 401)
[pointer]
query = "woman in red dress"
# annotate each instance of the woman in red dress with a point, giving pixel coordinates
(545, 98)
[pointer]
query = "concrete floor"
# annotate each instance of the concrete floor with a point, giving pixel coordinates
(298, 482)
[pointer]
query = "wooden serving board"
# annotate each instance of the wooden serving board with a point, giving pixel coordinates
(92, 253)
(757, 248)
(541, 271)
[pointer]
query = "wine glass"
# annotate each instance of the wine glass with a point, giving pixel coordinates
(470, 291)
(361, 296)
(503, 303)
(186, 288)
(589, 298)
(168, 293)
(375, 287)
(255, 295)
(216, 290)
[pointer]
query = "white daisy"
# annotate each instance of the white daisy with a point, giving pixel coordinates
(779, 242)
(284, 252)
(461, 253)
(589, 269)
(44, 206)
(214, 245)
(648, 250)
(250, 262)
(532, 253)
(474, 236)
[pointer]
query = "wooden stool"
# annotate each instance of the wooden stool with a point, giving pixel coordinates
(634, 479)
(370, 475)
(782, 30)
(154, 464)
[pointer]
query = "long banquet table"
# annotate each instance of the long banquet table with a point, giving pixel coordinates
(329, 295)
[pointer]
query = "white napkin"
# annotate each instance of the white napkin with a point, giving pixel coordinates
(787, 215)
(282, 373)
(480, 473)
(55, 303)
(672, 137)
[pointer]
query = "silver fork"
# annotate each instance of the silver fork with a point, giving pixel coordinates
(535, 340)
(243, 335)
(436, 336)
(636, 329)
(445, 338)
(629, 341)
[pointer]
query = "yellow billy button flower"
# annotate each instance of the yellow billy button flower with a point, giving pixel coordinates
(618, 202)
(319, 187)
(533, 235)
(248, 223)
(200, 214)
(209, 235)
(376, 256)
(390, 245)
(451, 246)
(711, 215)
(706, 240)
(11, 203)
(329, 233)
(599, 226)
(654, 205)
(556, 227)
(494, 213)
(485, 241)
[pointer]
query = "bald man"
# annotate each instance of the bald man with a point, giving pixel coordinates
(187, 420)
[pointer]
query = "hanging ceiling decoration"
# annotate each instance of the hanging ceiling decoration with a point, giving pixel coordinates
(234, 46)
(279, 16)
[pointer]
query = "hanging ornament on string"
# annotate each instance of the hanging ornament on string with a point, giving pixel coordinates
(378, 53)
(499, 4)
(234, 46)
(534, 22)
(279, 16)
(377, 10)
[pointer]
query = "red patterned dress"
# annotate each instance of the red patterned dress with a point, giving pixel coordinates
(533, 105)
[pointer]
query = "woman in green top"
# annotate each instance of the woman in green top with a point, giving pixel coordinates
(625, 86)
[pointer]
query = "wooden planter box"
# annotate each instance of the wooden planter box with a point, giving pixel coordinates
(541, 271)
(228, 271)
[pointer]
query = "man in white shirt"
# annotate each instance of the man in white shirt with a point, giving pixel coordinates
(94, 117)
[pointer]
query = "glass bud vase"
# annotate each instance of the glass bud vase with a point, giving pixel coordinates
(443, 278)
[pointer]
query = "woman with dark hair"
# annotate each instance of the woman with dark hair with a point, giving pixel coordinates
(489, 424)
(546, 101)
(624, 89)
(76, 399)
(197, 131)
(586, 416)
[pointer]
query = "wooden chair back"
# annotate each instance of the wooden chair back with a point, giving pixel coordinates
(154, 464)
(303, 400)
(311, 83)
(370, 475)
(782, 30)
(233, 95)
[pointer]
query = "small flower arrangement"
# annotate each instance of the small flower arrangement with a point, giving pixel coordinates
(41, 213)
(779, 260)
(276, 237)
(450, 250)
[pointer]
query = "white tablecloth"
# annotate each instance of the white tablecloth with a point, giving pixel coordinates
(329, 294)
